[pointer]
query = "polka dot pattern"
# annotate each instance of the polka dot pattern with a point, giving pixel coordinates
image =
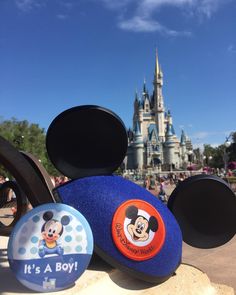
(78, 249)
(45, 250)
(21, 251)
(34, 239)
(33, 250)
(78, 238)
(73, 239)
(69, 228)
(68, 239)
(36, 218)
(79, 228)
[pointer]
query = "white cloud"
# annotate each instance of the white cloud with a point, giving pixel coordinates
(62, 16)
(25, 5)
(116, 4)
(231, 48)
(143, 12)
(28, 5)
(208, 7)
(142, 15)
(200, 135)
(140, 24)
(214, 138)
(200, 145)
(215, 144)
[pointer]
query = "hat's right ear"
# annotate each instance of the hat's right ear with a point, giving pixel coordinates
(205, 208)
(25, 174)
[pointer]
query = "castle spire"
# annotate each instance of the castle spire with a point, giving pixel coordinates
(183, 138)
(144, 86)
(157, 68)
(159, 108)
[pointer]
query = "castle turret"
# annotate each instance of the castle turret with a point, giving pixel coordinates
(144, 87)
(169, 146)
(136, 102)
(183, 138)
(183, 150)
(138, 148)
(158, 100)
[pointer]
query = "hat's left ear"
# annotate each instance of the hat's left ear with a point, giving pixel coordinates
(205, 208)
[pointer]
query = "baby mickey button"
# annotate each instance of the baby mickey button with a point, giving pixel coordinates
(138, 230)
(50, 247)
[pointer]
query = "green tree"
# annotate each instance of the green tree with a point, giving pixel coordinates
(217, 154)
(29, 138)
(231, 150)
(197, 155)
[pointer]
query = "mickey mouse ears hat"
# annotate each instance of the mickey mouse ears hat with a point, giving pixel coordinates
(86, 140)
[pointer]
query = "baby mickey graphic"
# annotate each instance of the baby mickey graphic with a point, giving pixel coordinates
(51, 231)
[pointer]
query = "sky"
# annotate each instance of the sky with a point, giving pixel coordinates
(57, 54)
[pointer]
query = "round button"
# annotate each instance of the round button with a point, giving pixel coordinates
(138, 230)
(50, 247)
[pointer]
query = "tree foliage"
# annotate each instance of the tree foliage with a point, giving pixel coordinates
(232, 148)
(220, 153)
(26, 137)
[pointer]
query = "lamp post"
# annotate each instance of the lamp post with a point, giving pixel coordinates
(190, 159)
(206, 161)
(190, 154)
(227, 144)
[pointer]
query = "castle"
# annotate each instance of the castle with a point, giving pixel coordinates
(152, 140)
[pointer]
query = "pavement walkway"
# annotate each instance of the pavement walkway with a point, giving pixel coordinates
(218, 263)
(203, 272)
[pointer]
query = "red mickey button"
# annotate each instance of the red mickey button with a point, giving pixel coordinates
(138, 230)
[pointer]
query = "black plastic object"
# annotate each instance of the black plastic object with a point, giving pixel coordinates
(25, 175)
(21, 203)
(86, 140)
(41, 172)
(205, 208)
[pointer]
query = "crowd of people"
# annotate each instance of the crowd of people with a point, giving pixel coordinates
(58, 180)
(157, 184)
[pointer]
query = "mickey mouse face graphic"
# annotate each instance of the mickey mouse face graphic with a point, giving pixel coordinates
(51, 231)
(139, 226)
(138, 230)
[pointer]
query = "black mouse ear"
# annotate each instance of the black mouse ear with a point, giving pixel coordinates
(65, 220)
(48, 215)
(153, 224)
(86, 141)
(205, 208)
(131, 212)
